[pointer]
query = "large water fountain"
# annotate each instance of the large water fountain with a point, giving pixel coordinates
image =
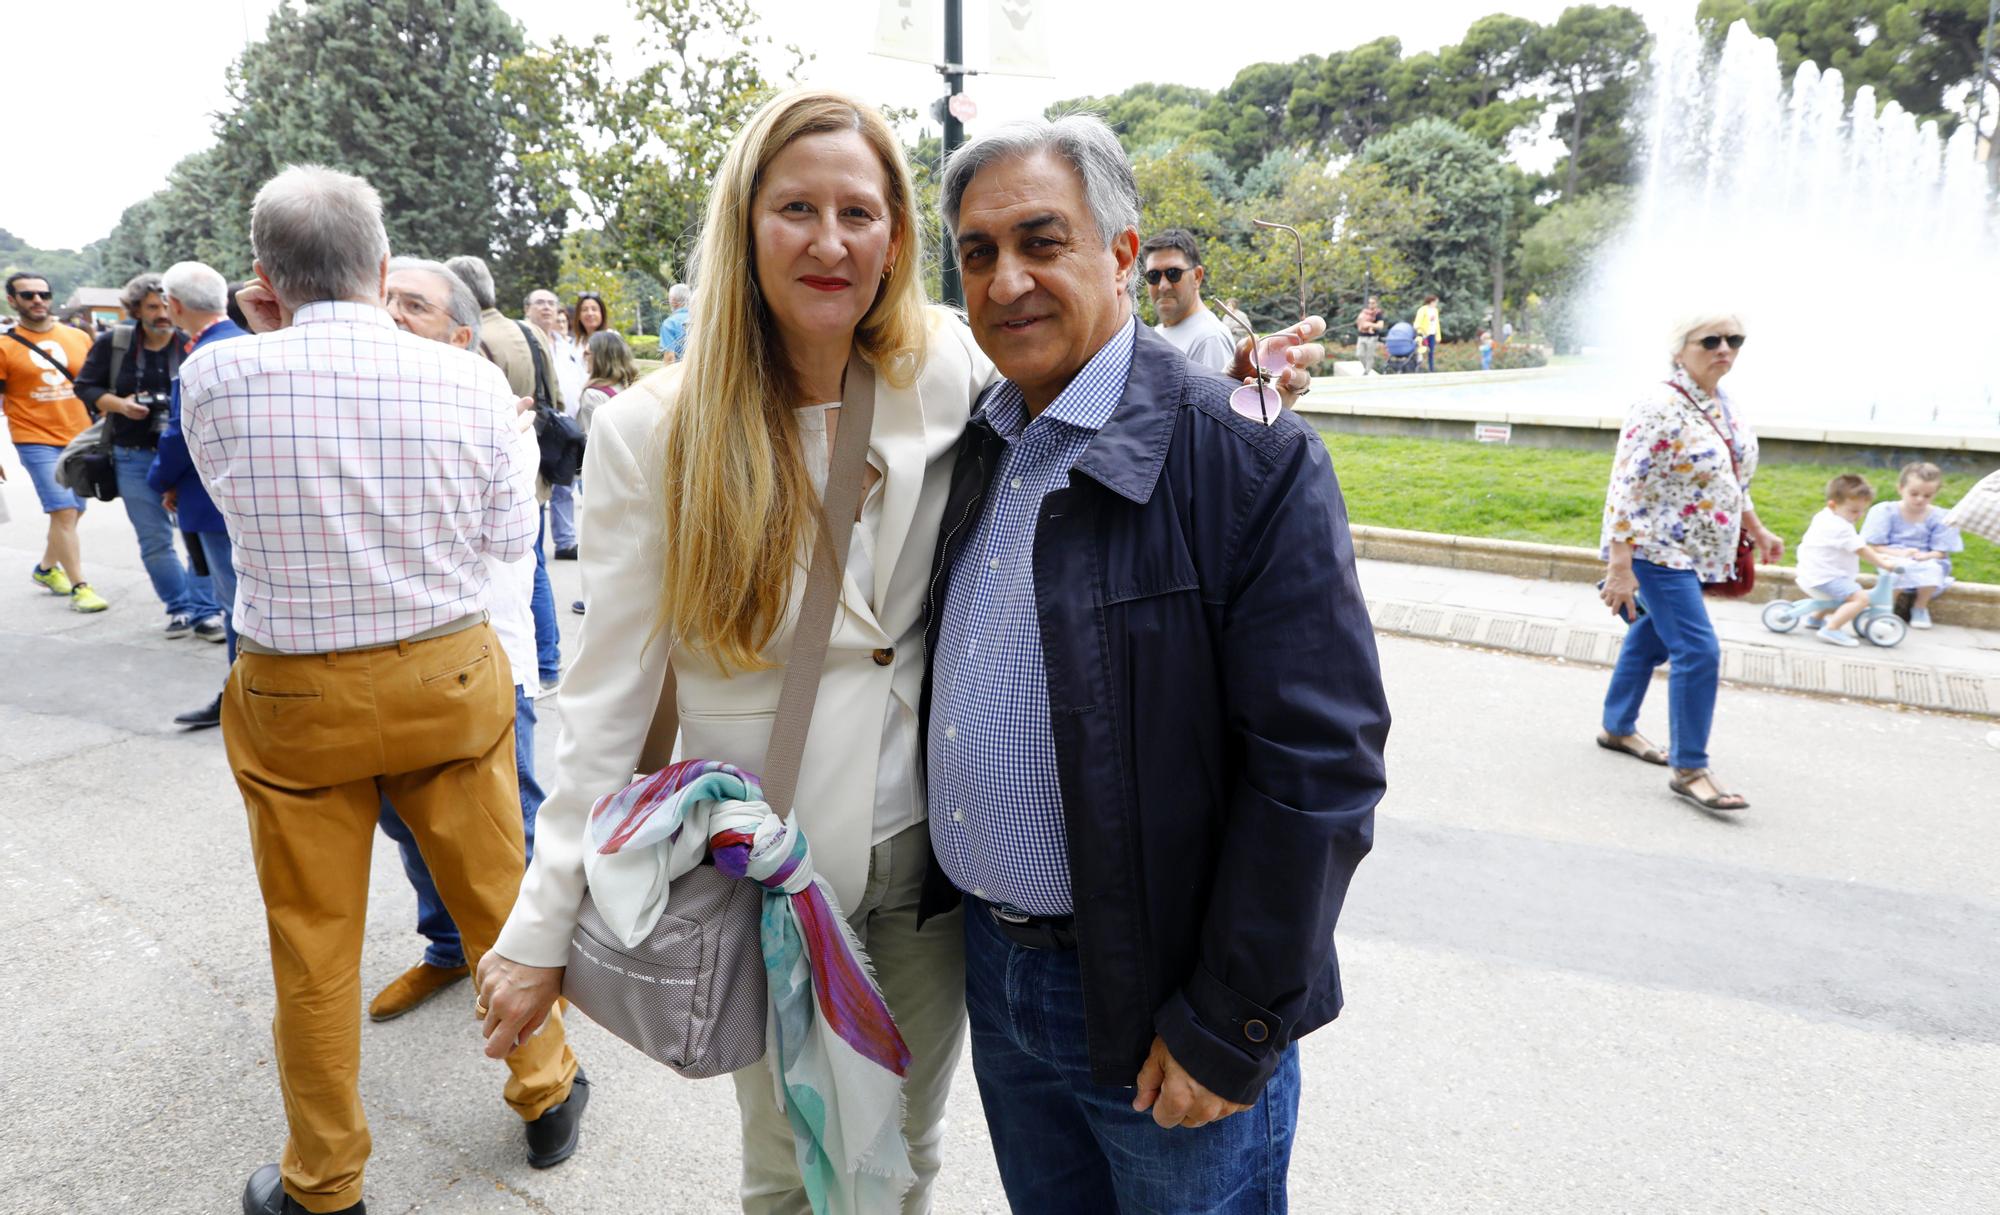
(1861, 246)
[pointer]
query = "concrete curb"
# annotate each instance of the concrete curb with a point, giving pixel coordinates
(1831, 674)
(1970, 604)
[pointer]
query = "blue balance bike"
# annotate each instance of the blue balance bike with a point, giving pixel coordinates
(1877, 624)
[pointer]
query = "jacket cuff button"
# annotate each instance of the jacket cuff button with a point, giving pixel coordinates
(884, 657)
(1256, 1030)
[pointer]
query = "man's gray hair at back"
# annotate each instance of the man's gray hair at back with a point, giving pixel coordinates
(317, 233)
(196, 287)
(678, 295)
(473, 273)
(464, 309)
(1083, 140)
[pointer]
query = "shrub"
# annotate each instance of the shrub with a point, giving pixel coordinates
(645, 346)
(1464, 356)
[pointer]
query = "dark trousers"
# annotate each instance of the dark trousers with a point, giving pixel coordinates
(1069, 1147)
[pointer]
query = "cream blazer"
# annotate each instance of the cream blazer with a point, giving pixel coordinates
(610, 694)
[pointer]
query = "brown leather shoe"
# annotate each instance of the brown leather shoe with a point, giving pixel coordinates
(413, 987)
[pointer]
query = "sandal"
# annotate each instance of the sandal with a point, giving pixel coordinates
(1645, 751)
(1682, 784)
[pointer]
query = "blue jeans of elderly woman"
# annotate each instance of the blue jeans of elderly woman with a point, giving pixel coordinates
(1674, 629)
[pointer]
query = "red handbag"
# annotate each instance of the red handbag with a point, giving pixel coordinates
(1743, 571)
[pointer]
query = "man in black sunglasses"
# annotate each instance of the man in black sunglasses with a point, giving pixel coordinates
(39, 360)
(1174, 274)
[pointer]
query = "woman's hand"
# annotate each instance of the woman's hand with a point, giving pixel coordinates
(513, 1001)
(1621, 590)
(1770, 545)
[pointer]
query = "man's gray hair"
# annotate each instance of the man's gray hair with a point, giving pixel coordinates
(473, 273)
(135, 291)
(463, 309)
(678, 295)
(317, 234)
(1084, 140)
(196, 287)
(530, 297)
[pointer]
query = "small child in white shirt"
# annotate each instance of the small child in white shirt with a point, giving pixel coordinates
(1830, 557)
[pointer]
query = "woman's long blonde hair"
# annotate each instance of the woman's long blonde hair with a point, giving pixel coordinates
(737, 499)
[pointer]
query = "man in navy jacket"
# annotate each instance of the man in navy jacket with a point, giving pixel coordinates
(197, 300)
(1154, 716)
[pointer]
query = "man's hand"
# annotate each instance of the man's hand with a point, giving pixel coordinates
(124, 407)
(260, 308)
(171, 499)
(1176, 1098)
(1302, 353)
(513, 1001)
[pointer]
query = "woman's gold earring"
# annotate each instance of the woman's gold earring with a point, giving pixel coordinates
(887, 271)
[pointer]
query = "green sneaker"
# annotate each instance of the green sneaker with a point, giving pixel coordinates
(55, 580)
(83, 599)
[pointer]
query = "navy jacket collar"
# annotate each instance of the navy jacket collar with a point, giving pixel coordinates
(1128, 453)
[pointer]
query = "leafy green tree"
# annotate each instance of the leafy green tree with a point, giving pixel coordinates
(1247, 120)
(398, 91)
(1457, 250)
(1914, 54)
(636, 151)
(1591, 59)
(1155, 116)
(65, 269)
(1557, 251)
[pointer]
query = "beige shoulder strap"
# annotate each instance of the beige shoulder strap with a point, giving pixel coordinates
(814, 628)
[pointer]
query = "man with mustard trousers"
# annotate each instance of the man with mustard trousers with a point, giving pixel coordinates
(364, 473)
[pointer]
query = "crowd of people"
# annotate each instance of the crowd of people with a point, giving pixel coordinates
(1099, 747)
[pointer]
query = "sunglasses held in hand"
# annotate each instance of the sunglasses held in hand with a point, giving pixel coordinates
(1260, 402)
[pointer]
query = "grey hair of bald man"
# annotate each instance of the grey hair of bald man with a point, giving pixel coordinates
(317, 234)
(678, 295)
(473, 272)
(196, 287)
(459, 302)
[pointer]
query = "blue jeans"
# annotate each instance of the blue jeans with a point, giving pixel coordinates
(222, 580)
(433, 920)
(182, 595)
(1675, 628)
(548, 634)
(40, 461)
(1430, 354)
(562, 516)
(1065, 1145)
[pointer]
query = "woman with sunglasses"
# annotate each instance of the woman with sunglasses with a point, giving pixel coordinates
(1678, 503)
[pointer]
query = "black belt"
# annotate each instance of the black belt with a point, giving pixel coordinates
(1032, 931)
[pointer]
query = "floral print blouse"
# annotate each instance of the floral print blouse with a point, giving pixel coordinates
(1674, 497)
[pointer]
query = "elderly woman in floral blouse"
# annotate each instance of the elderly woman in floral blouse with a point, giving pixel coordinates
(1679, 499)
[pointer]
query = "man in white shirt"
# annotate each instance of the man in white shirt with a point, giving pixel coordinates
(1174, 274)
(366, 475)
(543, 311)
(427, 299)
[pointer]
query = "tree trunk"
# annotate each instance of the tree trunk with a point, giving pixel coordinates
(1575, 142)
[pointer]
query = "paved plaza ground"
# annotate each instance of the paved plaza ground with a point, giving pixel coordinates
(1568, 992)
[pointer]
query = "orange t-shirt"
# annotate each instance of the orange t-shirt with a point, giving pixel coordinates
(41, 406)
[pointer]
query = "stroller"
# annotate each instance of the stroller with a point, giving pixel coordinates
(1400, 347)
(1878, 623)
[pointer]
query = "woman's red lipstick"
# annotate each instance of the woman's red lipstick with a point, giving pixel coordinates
(825, 284)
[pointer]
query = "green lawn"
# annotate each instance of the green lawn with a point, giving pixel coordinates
(1557, 497)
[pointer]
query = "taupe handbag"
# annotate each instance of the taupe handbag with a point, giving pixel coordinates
(692, 994)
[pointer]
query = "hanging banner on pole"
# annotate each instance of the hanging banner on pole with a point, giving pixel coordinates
(905, 30)
(1018, 37)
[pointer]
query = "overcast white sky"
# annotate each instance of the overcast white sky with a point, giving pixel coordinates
(160, 68)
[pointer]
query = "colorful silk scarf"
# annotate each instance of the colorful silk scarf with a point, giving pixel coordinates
(836, 1056)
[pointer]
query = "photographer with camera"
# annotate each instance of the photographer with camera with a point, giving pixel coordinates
(129, 376)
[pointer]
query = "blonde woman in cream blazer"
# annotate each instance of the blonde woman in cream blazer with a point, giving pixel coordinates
(860, 793)
(703, 481)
